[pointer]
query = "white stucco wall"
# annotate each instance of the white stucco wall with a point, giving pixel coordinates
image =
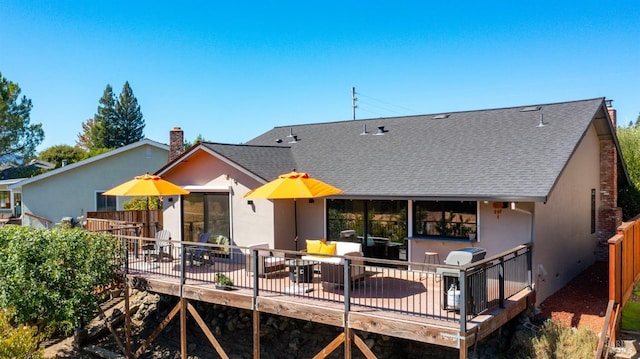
(202, 172)
(564, 245)
(497, 232)
(73, 192)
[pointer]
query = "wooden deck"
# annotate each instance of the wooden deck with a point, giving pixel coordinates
(396, 301)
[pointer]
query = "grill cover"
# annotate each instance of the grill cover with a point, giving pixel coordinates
(464, 256)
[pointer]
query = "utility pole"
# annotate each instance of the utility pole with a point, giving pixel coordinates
(353, 102)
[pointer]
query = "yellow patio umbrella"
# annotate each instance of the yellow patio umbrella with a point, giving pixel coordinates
(146, 185)
(293, 185)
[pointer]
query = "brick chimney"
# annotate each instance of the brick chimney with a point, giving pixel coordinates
(613, 115)
(609, 216)
(176, 143)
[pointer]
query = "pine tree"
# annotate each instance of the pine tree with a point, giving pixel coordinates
(129, 123)
(102, 132)
(18, 137)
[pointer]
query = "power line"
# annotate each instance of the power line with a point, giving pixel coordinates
(355, 100)
(388, 103)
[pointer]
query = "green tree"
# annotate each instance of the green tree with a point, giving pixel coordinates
(629, 196)
(57, 154)
(143, 203)
(128, 124)
(50, 276)
(92, 137)
(18, 137)
(102, 130)
(188, 144)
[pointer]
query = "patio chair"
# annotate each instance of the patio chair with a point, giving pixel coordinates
(159, 248)
(268, 261)
(201, 254)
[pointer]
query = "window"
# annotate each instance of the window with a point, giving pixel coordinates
(5, 199)
(385, 223)
(205, 212)
(386, 219)
(105, 203)
(452, 219)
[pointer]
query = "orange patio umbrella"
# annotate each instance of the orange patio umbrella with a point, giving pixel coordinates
(293, 185)
(147, 185)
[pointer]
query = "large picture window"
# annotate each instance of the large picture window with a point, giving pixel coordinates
(205, 212)
(380, 225)
(452, 219)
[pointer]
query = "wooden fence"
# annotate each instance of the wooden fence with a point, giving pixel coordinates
(150, 220)
(624, 272)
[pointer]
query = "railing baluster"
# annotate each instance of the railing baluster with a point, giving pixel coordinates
(501, 283)
(462, 304)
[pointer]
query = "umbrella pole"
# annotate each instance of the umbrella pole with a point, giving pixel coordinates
(295, 222)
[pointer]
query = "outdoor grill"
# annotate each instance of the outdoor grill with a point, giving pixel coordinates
(451, 279)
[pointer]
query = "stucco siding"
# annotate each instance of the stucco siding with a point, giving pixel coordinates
(498, 231)
(206, 173)
(72, 193)
(564, 245)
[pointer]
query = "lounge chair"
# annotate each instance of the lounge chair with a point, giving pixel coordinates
(202, 253)
(159, 248)
(268, 261)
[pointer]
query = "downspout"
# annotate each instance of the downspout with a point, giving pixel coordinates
(515, 208)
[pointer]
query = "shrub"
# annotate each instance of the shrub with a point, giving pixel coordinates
(50, 276)
(18, 341)
(554, 341)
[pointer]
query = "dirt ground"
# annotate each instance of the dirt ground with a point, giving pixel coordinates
(583, 302)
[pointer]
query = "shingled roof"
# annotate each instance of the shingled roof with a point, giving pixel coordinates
(489, 154)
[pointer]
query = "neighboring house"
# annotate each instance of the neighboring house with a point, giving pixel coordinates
(12, 170)
(10, 200)
(77, 188)
(497, 178)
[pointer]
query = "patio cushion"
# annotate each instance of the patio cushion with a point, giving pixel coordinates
(342, 249)
(314, 245)
(347, 247)
(328, 248)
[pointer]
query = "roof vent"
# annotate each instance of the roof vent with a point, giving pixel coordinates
(364, 129)
(380, 131)
(530, 108)
(294, 139)
(541, 123)
(290, 135)
(278, 140)
(440, 117)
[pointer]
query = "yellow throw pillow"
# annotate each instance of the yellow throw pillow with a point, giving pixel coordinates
(328, 248)
(314, 245)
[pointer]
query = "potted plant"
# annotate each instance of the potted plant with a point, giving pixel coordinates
(223, 282)
(472, 234)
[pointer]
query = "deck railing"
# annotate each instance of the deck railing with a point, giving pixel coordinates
(417, 289)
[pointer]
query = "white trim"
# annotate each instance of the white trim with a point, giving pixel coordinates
(208, 188)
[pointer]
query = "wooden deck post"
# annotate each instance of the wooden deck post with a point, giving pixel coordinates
(256, 333)
(183, 328)
(127, 315)
(256, 314)
(348, 335)
(463, 347)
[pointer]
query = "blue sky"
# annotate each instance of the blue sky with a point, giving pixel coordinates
(232, 70)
